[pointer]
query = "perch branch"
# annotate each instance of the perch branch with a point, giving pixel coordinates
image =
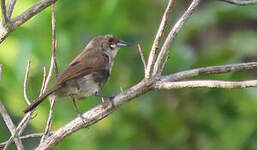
(161, 59)
(95, 114)
(158, 36)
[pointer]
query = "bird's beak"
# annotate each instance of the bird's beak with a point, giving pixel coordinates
(121, 43)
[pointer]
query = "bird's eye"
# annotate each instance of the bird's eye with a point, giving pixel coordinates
(110, 40)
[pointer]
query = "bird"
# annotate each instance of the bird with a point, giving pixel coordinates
(88, 72)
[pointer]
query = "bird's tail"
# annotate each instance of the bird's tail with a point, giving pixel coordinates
(40, 99)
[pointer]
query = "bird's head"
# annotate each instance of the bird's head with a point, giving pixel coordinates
(107, 43)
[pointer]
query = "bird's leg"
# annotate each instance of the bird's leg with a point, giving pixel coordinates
(104, 95)
(77, 110)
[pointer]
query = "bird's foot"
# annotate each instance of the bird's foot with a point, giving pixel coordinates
(85, 120)
(105, 96)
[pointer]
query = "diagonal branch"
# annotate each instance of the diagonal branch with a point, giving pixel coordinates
(29, 13)
(240, 3)
(22, 18)
(205, 84)
(158, 36)
(161, 60)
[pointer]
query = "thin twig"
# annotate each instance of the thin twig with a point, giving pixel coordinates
(171, 36)
(158, 36)
(49, 121)
(33, 135)
(50, 73)
(44, 81)
(241, 3)
(52, 99)
(10, 7)
(4, 16)
(21, 126)
(9, 123)
(26, 83)
(54, 41)
(24, 122)
(142, 56)
(205, 84)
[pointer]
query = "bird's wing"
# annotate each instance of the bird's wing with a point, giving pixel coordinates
(87, 62)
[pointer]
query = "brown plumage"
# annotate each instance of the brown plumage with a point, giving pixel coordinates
(87, 73)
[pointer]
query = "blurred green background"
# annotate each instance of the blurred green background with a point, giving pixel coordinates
(184, 119)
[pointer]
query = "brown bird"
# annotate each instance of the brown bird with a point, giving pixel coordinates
(87, 73)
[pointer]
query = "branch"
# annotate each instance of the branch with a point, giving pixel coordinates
(158, 36)
(29, 13)
(142, 56)
(95, 114)
(205, 84)
(4, 16)
(10, 7)
(49, 121)
(24, 122)
(11, 127)
(52, 100)
(22, 18)
(54, 41)
(33, 135)
(161, 60)
(209, 70)
(43, 82)
(241, 3)
(25, 83)
(9, 122)
(103, 110)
